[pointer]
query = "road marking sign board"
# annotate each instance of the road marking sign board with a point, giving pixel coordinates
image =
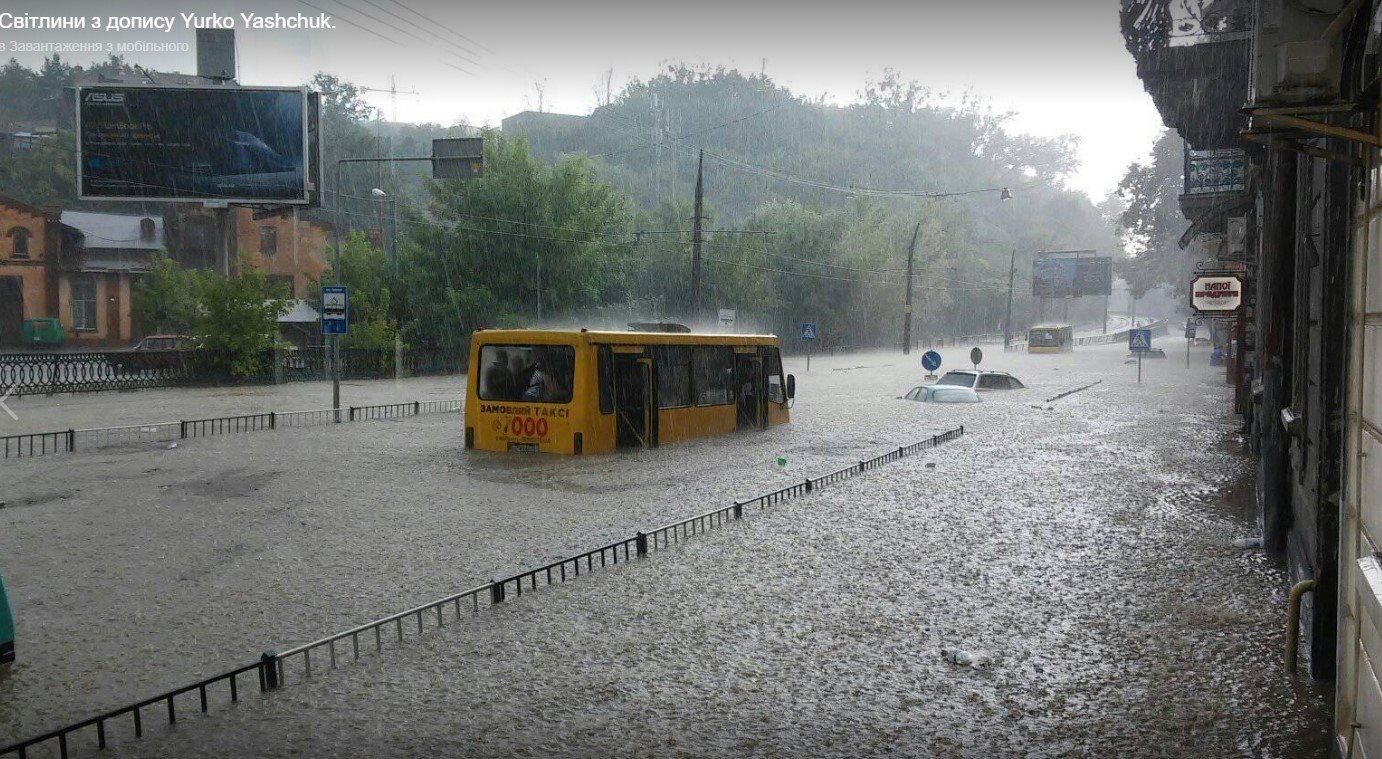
(931, 361)
(808, 330)
(1139, 340)
(335, 308)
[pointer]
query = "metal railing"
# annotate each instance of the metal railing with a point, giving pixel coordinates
(100, 370)
(384, 411)
(228, 425)
(273, 668)
(563, 570)
(37, 444)
(100, 437)
(168, 700)
(68, 441)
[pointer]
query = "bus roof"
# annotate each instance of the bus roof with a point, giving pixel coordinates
(620, 337)
(1051, 325)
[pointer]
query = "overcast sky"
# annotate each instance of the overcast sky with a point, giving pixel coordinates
(1059, 65)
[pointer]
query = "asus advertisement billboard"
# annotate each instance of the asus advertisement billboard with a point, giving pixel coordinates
(221, 144)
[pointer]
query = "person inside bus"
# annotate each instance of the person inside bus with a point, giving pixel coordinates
(499, 379)
(543, 386)
(522, 375)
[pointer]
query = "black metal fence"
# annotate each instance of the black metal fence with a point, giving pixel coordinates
(43, 373)
(273, 668)
(37, 444)
(67, 441)
(29, 373)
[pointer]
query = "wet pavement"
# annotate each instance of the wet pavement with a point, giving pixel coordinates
(1084, 544)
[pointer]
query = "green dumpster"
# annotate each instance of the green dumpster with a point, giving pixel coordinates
(42, 331)
(6, 628)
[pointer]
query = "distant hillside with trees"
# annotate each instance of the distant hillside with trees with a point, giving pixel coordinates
(587, 218)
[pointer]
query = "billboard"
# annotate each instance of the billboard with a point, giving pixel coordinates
(1071, 276)
(225, 144)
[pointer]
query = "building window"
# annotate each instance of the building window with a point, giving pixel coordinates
(19, 242)
(268, 241)
(83, 303)
(282, 285)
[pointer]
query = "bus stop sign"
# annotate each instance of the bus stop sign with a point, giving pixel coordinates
(930, 361)
(334, 310)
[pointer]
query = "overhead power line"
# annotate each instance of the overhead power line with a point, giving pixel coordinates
(462, 52)
(376, 33)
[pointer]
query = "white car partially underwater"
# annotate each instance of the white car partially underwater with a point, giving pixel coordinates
(979, 380)
(942, 394)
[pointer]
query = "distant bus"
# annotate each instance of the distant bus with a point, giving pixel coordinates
(1051, 338)
(577, 392)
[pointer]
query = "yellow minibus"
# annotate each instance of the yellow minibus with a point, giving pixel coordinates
(578, 392)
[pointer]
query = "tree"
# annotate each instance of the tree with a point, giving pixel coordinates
(1151, 224)
(235, 317)
(522, 243)
(44, 174)
(366, 272)
(168, 297)
(238, 318)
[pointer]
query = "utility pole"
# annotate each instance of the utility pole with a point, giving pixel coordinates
(696, 240)
(907, 310)
(1008, 320)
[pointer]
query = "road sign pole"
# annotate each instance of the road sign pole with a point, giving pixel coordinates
(1187, 352)
(808, 357)
(1139, 367)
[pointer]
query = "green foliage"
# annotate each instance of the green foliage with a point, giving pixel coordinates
(43, 175)
(234, 317)
(1151, 223)
(365, 270)
(549, 231)
(167, 299)
(520, 244)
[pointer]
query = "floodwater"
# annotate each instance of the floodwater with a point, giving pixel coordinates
(1084, 545)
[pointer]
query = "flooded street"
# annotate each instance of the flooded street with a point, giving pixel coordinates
(1082, 547)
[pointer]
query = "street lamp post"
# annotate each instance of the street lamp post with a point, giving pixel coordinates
(336, 237)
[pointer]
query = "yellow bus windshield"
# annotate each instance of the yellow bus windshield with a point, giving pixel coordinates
(530, 373)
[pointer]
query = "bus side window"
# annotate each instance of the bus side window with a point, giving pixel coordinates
(776, 391)
(605, 370)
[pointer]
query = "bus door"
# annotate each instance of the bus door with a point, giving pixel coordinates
(635, 410)
(751, 400)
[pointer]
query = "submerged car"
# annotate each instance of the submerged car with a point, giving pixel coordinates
(942, 394)
(979, 380)
(166, 343)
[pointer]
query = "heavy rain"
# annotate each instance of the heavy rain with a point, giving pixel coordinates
(403, 378)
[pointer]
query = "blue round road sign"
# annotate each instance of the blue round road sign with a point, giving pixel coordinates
(931, 361)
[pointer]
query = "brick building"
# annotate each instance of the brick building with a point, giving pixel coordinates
(82, 267)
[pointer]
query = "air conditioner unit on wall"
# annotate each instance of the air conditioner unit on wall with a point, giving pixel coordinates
(1294, 62)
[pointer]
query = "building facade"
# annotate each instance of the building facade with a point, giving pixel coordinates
(1304, 113)
(83, 267)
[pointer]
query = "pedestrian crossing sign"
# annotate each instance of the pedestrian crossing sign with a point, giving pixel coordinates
(1139, 339)
(808, 330)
